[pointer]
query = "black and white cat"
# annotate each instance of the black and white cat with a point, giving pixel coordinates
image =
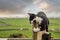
(41, 18)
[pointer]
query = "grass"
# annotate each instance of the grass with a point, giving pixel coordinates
(10, 26)
(55, 23)
(14, 24)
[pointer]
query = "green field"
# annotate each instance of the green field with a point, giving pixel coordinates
(9, 26)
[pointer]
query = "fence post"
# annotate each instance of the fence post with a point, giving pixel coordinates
(35, 25)
(38, 35)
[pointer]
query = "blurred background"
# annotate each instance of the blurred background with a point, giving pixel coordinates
(14, 18)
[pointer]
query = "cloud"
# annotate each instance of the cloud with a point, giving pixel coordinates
(18, 6)
(13, 6)
(43, 5)
(50, 6)
(24, 6)
(36, 1)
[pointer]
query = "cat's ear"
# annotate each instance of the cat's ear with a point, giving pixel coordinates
(29, 13)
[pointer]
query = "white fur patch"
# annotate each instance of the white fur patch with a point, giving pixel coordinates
(32, 22)
(38, 19)
(47, 32)
(36, 29)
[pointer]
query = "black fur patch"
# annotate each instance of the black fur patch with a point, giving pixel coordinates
(46, 36)
(45, 22)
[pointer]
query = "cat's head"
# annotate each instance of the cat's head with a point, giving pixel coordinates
(31, 17)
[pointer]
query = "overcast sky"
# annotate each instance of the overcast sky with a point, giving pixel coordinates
(20, 8)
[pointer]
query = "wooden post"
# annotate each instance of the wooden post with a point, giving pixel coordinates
(38, 35)
(35, 25)
(35, 34)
